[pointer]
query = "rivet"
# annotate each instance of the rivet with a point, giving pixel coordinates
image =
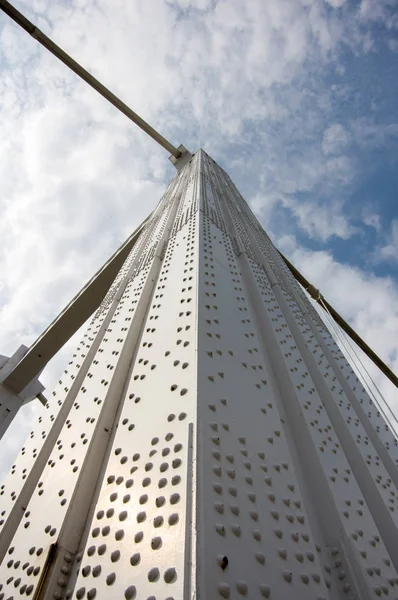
(224, 590)
(153, 575)
(173, 519)
(265, 590)
(170, 575)
(241, 586)
(138, 537)
(135, 559)
(223, 561)
(130, 592)
(174, 498)
(156, 543)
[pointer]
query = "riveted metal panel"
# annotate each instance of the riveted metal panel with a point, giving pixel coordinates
(145, 497)
(208, 439)
(254, 533)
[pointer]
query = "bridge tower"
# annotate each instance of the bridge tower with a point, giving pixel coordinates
(208, 439)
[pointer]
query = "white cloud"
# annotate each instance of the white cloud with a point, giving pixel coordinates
(379, 10)
(322, 222)
(389, 251)
(393, 45)
(335, 139)
(336, 3)
(313, 188)
(372, 219)
(369, 134)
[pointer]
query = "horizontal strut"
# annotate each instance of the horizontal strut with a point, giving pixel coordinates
(71, 318)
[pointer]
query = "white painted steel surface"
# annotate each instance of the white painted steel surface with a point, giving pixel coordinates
(10, 401)
(208, 439)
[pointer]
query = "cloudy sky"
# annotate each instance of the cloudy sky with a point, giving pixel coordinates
(296, 99)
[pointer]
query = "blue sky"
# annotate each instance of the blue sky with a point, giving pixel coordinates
(296, 100)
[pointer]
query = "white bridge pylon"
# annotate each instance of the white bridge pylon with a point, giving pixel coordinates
(208, 439)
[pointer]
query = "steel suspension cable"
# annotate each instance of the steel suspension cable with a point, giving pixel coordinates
(355, 358)
(45, 41)
(317, 296)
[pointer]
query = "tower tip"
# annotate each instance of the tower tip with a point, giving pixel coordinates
(183, 159)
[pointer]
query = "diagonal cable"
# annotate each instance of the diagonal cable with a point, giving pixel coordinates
(315, 294)
(45, 41)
